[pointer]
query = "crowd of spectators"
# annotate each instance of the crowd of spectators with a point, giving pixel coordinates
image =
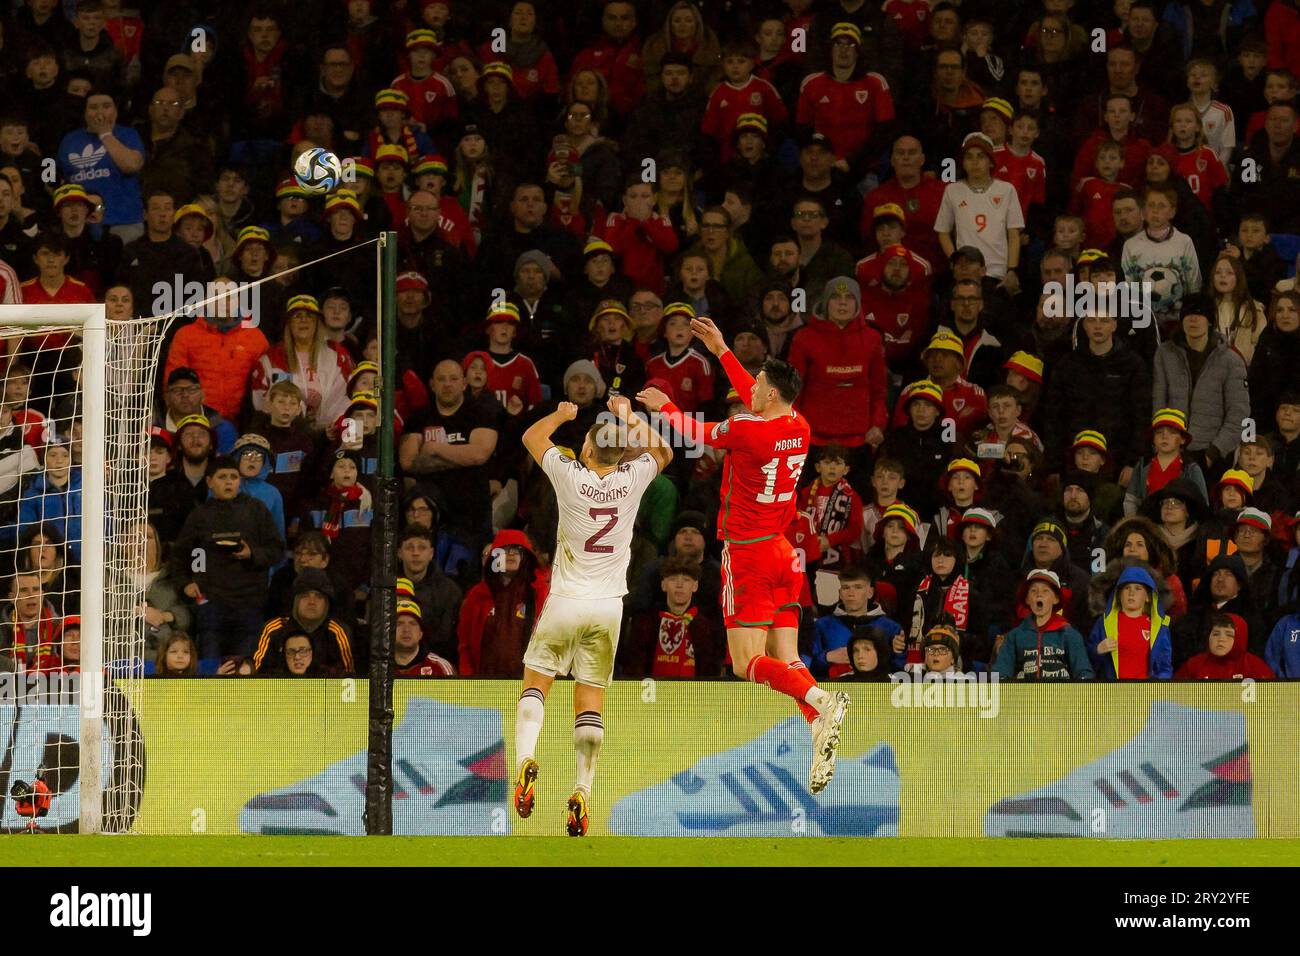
(881, 194)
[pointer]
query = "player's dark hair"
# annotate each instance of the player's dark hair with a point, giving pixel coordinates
(783, 377)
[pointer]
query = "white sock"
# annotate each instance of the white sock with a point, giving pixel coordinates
(528, 723)
(818, 698)
(588, 735)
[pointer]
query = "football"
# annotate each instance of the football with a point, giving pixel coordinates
(318, 170)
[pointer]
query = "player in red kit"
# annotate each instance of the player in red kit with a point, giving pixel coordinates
(761, 576)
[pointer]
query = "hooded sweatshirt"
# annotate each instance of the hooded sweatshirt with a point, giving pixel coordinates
(497, 618)
(1283, 651)
(1054, 651)
(1151, 626)
(1238, 663)
(837, 628)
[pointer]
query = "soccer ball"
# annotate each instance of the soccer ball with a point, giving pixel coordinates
(318, 170)
(1166, 287)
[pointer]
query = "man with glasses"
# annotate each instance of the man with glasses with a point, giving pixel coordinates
(647, 311)
(984, 351)
(820, 258)
(818, 179)
(182, 398)
(951, 106)
(312, 615)
(339, 95)
(729, 261)
(176, 161)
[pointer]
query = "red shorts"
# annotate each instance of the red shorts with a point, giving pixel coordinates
(761, 584)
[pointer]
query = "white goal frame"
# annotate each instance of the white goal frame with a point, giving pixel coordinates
(92, 320)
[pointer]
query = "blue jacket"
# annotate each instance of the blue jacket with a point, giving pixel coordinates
(1160, 660)
(1282, 653)
(834, 631)
(41, 503)
(1057, 653)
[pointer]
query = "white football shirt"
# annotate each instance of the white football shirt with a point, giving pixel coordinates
(594, 543)
(981, 220)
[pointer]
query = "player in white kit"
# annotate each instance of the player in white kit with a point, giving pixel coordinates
(577, 633)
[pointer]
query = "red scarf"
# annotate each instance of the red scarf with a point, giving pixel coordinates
(340, 499)
(956, 601)
(44, 654)
(1158, 477)
(379, 138)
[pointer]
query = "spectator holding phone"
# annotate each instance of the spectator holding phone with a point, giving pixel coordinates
(225, 549)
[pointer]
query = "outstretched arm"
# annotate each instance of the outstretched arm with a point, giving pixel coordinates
(708, 333)
(538, 437)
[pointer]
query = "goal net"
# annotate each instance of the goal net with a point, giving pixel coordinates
(78, 396)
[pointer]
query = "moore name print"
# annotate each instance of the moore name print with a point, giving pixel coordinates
(76, 909)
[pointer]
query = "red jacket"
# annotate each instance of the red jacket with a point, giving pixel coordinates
(642, 246)
(902, 318)
(223, 360)
(478, 613)
(844, 380)
(621, 67)
(1234, 665)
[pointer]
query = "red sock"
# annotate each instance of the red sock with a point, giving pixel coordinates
(784, 679)
(809, 711)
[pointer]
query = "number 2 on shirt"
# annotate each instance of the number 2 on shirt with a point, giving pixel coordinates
(794, 463)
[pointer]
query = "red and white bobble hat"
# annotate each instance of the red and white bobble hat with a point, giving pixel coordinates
(1255, 518)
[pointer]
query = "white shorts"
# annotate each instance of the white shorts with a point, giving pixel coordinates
(578, 637)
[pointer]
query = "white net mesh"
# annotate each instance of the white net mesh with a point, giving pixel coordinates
(72, 610)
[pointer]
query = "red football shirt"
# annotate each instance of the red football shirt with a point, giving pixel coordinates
(1204, 173)
(514, 376)
(846, 112)
(728, 103)
(690, 375)
(1027, 173)
(760, 474)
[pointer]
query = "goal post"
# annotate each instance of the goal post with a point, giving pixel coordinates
(109, 389)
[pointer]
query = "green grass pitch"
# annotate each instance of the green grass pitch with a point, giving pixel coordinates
(254, 851)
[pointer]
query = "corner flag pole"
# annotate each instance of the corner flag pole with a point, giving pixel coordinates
(383, 571)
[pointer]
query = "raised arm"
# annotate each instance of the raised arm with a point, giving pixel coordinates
(639, 432)
(711, 336)
(537, 439)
